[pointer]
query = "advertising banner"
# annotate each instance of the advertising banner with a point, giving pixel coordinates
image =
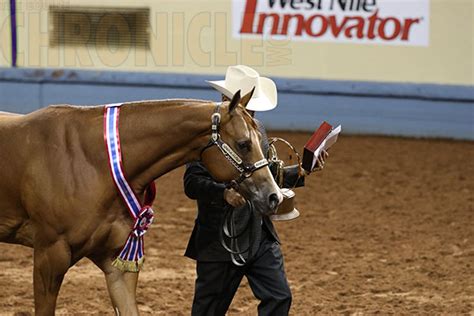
(392, 22)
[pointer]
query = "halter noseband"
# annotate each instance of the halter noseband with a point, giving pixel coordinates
(246, 170)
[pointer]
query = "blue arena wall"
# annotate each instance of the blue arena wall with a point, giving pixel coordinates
(415, 110)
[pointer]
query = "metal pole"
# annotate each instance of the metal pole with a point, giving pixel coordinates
(13, 31)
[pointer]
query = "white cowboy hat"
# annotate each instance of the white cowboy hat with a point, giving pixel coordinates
(244, 78)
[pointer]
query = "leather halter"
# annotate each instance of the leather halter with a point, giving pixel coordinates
(245, 169)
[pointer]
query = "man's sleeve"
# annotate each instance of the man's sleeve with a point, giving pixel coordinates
(199, 185)
(291, 178)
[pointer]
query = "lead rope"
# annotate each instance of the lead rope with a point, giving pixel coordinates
(229, 230)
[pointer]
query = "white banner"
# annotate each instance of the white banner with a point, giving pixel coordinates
(393, 22)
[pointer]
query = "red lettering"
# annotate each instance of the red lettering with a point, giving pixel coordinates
(407, 26)
(358, 26)
(336, 29)
(396, 30)
(372, 20)
(371, 27)
(249, 15)
(309, 25)
(261, 23)
(286, 22)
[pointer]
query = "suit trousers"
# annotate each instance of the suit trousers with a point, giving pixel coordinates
(217, 282)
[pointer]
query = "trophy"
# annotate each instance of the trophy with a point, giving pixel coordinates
(283, 159)
(282, 164)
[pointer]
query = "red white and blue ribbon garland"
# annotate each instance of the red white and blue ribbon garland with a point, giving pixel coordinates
(132, 255)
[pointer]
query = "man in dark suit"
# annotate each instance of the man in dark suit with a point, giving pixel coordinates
(219, 273)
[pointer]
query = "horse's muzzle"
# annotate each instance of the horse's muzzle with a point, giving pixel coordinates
(269, 205)
(273, 202)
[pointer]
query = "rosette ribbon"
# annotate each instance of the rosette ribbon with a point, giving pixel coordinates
(132, 255)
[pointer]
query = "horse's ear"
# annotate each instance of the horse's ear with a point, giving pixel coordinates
(246, 98)
(235, 100)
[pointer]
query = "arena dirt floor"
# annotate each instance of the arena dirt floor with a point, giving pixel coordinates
(385, 228)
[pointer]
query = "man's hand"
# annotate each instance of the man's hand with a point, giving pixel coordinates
(321, 161)
(233, 197)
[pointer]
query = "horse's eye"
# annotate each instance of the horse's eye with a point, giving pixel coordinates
(243, 146)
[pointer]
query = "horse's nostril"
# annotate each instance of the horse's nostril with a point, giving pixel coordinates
(273, 201)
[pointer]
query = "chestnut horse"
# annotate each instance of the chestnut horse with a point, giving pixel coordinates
(58, 197)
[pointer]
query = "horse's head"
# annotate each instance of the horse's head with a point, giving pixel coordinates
(234, 155)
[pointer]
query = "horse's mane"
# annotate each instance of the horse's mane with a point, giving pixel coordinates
(169, 102)
(248, 118)
(180, 102)
(163, 103)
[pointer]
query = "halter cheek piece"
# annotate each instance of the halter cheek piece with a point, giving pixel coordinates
(245, 169)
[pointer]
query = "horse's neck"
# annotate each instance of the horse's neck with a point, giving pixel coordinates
(157, 137)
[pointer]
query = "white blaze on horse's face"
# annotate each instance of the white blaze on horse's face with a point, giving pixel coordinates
(239, 131)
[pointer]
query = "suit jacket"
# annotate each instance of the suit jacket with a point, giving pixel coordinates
(204, 243)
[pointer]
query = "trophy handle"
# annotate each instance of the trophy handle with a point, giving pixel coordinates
(273, 155)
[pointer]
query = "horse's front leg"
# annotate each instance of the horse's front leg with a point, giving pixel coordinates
(122, 288)
(50, 265)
